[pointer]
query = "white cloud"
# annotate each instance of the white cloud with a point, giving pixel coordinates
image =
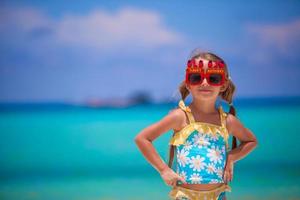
(279, 36)
(276, 38)
(125, 28)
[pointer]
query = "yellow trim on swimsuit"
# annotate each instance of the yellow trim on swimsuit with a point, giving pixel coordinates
(208, 128)
(178, 192)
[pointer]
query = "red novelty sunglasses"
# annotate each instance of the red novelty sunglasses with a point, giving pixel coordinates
(215, 74)
(212, 78)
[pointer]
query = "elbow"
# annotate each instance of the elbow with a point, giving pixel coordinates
(141, 140)
(252, 143)
(138, 139)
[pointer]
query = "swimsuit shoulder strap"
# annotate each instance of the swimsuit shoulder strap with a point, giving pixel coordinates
(222, 116)
(187, 110)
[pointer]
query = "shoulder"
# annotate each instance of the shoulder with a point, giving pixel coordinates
(236, 128)
(231, 121)
(179, 117)
(177, 114)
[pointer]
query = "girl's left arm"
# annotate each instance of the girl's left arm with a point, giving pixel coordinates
(244, 135)
(248, 143)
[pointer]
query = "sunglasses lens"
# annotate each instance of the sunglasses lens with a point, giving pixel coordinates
(194, 78)
(215, 78)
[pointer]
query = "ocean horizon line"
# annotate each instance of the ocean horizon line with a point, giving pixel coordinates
(281, 100)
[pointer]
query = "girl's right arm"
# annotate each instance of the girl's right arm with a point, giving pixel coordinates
(144, 142)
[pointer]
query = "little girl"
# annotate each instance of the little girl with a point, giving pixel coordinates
(204, 162)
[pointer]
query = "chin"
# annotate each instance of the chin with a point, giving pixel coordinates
(208, 95)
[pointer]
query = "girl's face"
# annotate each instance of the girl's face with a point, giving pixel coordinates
(204, 90)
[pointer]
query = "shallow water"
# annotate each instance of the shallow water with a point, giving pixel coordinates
(81, 153)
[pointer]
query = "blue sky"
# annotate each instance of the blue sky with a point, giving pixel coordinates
(80, 50)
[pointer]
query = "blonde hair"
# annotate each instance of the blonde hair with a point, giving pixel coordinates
(226, 95)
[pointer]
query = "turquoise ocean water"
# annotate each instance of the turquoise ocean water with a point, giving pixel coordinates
(65, 152)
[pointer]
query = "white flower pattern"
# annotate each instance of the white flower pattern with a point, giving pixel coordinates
(214, 137)
(188, 145)
(197, 163)
(214, 181)
(220, 171)
(210, 168)
(201, 140)
(196, 178)
(201, 159)
(183, 174)
(214, 155)
(182, 157)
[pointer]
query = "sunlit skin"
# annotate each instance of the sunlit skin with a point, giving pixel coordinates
(204, 101)
(204, 110)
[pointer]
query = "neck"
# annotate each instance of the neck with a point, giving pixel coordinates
(203, 106)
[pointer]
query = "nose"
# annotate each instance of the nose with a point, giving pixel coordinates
(204, 82)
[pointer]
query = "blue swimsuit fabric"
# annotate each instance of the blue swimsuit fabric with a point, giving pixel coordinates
(202, 158)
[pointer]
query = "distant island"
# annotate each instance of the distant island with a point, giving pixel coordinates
(138, 98)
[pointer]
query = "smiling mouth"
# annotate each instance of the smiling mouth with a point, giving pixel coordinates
(204, 90)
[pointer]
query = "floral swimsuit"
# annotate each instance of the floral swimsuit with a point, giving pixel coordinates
(201, 149)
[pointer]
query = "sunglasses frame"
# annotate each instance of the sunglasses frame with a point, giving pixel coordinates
(213, 67)
(207, 75)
